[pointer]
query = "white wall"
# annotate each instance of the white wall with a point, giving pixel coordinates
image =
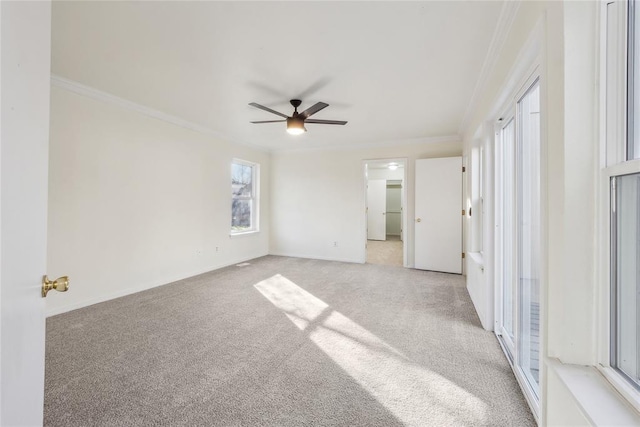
(318, 198)
(568, 47)
(135, 202)
(386, 174)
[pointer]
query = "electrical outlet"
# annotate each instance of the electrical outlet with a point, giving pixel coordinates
(335, 244)
(217, 249)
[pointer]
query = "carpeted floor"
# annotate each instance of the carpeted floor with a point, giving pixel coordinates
(385, 252)
(286, 342)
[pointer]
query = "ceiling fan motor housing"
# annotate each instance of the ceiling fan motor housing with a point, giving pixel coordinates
(295, 122)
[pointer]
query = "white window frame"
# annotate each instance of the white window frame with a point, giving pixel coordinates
(476, 207)
(509, 112)
(613, 137)
(481, 189)
(509, 345)
(254, 198)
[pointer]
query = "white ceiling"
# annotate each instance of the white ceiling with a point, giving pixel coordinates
(396, 71)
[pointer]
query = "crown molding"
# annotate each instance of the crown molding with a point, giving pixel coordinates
(378, 144)
(98, 95)
(507, 16)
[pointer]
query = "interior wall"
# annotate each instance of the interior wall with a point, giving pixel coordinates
(568, 48)
(135, 202)
(386, 173)
(319, 196)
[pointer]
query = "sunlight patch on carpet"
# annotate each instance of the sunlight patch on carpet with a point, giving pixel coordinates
(409, 391)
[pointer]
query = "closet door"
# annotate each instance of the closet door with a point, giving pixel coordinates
(438, 227)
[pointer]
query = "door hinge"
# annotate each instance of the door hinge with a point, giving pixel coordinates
(470, 211)
(462, 255)
(464, 169)
(463, 212)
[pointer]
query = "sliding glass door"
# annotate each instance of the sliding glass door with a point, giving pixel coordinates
(528, 249)
(518, 237)
(506, 178)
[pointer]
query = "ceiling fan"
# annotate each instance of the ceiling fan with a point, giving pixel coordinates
(295, 123)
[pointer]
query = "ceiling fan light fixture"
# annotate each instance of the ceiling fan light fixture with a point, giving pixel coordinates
(295, 122)
(295, 126)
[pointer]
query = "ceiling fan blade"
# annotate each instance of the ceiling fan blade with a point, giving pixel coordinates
(270, 121)
(313, 109)
(326, 122)
(262, 107)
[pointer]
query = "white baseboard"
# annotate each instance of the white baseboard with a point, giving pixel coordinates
(136, 289)
(323, 258)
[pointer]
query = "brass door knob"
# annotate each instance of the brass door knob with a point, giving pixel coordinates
(418, 220)
(61, 284)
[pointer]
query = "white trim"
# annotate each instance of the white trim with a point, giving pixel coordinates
(603, 300)
(526, 69)
(146, 286)
(318, 257)
(613, 86)
(622, 386)
(525, 64)
(503, 27)
(98, 95)
(243, 233)
(378, 144)
(255, 197)
(625, 168)
(404, 236)
(612, 162)
(596, 399)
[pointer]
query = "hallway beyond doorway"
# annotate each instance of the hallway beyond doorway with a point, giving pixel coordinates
(385, 252)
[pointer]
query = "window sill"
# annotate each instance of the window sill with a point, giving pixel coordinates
(243, 233)
(601, 404)
(630, 393)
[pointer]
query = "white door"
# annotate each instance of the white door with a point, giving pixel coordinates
(376, 209)
(438, 226)
(25, 30)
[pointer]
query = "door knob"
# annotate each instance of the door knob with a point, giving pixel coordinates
(418, 220)
(61, 284)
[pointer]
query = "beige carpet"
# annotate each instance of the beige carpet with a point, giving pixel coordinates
(385, 252)
(283, 342)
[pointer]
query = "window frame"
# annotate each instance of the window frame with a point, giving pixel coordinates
(614, 131)
(500, 196)
(254, 198)
(531, 77)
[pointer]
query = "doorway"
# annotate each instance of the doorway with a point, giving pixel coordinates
(385, 212)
